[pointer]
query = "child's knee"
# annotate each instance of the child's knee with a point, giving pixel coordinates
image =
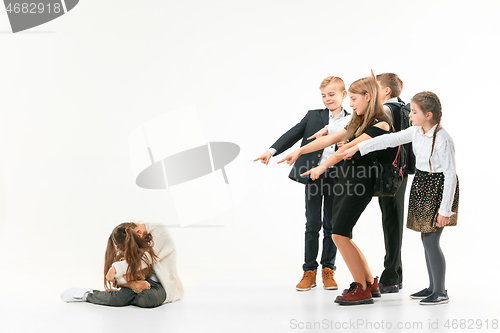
(147, 302)
(339, 239)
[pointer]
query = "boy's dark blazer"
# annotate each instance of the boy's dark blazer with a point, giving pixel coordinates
(313, 121)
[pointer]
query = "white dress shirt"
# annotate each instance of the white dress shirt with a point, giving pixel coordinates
(335, 125)
(442, 160)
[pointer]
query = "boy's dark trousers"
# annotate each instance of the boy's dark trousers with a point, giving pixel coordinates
(320, 193)
(313, 121)
(393, 223)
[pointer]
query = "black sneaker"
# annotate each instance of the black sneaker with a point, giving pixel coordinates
(424, 293)
(435, 299)
(388, 289)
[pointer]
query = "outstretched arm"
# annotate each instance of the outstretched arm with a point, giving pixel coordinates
(264, 158)
(317, 144)
(382, 142)
(335, 158)
(348, 153)
(321, 133)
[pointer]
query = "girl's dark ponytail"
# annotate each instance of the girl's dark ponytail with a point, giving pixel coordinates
(433, 142)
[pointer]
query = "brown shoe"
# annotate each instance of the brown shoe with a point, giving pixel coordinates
(328, 280)
(308, 281)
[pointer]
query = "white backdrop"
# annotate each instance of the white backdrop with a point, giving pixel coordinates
(74, 89)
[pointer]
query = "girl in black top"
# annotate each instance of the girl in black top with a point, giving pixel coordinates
(356, 182)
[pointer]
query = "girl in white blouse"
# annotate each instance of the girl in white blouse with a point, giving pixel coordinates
(434, 192)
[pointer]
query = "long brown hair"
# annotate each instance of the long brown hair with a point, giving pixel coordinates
(358, 124)
(429, 102)
(124, 243)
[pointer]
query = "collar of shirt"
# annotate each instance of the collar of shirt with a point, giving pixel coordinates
(342, 114)
(392, 100)
(430, 132)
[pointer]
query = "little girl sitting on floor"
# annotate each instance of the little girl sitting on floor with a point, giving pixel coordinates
(148, 252)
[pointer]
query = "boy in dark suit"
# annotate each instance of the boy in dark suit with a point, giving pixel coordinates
(319, 194)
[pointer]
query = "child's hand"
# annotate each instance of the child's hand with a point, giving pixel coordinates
(290, 158)
(315, 173)
(442, 221)
(319, 134)
(348, 153)
(110, 276)
(341, 144)
(264, 158)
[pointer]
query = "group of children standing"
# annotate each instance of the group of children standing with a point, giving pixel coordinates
(337, 149)
(353, 142)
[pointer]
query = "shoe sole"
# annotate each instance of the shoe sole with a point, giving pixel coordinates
(389, 292)
(434, 303)
(419, 297)
(330, 288)
(304, 289)
(373, 294)
(361, 301)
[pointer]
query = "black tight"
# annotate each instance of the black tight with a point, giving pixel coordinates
(434, 258)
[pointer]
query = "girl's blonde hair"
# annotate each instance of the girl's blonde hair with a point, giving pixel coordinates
(358, 124)
(124, 243)
(429, 102)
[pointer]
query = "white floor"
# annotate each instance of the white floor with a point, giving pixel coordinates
(253, 301)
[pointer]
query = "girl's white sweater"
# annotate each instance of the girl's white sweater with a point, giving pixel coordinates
(165, 268)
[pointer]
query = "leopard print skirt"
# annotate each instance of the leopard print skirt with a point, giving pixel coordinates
(425, 199)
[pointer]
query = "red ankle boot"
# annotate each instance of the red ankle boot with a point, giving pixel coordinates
(374, 288)
(356, 295)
